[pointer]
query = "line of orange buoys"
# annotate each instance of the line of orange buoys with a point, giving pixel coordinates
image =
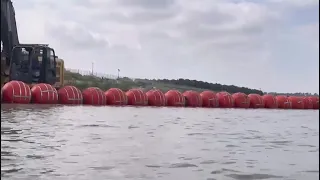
(20, 93)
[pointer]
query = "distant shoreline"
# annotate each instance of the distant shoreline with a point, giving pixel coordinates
(125, 83)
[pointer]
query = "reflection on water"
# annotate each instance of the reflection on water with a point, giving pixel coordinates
(84, 143)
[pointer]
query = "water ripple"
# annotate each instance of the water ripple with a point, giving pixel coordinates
(84, 142)
(252, 176)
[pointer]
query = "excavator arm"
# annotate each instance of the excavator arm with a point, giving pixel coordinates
(9, 38)
(9, 34)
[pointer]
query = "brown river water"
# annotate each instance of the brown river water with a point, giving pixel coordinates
(130, 143)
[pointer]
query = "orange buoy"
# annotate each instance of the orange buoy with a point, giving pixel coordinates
(315, 101)
(136, 97)
(209, 99)
(16, 92)
(270, 102)
(256, 101)
(93, 96)
(156, 98)
(175, 98)
(241, 100)
(308, 104)
(283, 102)
(44, 94)
(116, 97)
(225, 100)
(192, 99)
(296, 102)
(70, 95)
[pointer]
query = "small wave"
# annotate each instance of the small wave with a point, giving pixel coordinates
(306, 145)
(224, 170)
(182, 165)
(35, 157)
(311, 171)
(153, 166)
(11, 170)
(132, 127)
(199, 134)
(231, 146)
(102, 168)
(252, 176)
(229, 162)
(208, 162)
(189, 158)
(98, 125)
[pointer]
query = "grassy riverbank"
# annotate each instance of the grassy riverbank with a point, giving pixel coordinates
(124, 83)
(84, 81)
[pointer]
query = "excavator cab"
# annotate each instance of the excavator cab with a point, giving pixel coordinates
(33, 64)
(29, 63)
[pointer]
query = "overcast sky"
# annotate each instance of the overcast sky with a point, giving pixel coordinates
(267, 44)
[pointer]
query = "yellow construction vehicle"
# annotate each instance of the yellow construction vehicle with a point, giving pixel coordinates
(59, 73)
(29, 63)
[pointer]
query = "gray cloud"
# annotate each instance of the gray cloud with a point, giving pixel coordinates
(146, 4)
(212, 40)
(78, 37)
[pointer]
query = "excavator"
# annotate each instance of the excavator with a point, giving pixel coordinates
(29, 63)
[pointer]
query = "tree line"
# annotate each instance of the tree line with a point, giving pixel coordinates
(210, 86)
(126, 83)
(293, 94)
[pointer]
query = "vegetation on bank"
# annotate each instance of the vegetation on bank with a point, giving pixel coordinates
(124, 83)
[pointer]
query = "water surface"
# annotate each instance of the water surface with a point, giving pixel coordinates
(88, 143)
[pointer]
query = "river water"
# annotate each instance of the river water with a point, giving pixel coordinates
(100, 143)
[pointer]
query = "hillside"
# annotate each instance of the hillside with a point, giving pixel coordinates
(124, 83)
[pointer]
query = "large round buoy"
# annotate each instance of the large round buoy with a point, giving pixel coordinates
(175, 98)
(136, 97)
(156, 98)
(93, 96)
(44, 94)
(270, 102)
(70, 95)
(241, 100)
(296, 102)
(192, 98)
(209, 99)
(225, 100)
(16, 92)
(116, 97)
(283, 102)
(256, 101)
(315, 101)
(307, 103)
